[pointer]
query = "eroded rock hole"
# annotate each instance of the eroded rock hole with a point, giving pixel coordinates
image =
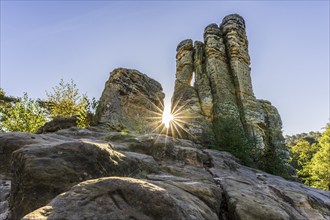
(192, 80)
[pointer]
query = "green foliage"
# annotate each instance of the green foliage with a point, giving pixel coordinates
(5, 104)
(311, 137)
(274, 161)
(65, 101)
(25, 115)
(233, 139)
(319, 166)
(302, 152)
(311, 158)
(83, 121)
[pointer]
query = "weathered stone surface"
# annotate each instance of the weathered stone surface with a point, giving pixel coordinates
(233, 28)
(206, 192)
(43, 170)
(112, 198)
(223, 90)
(5, 185)
(130, 101)
(253, 194)
(164, 148)
(272, 121)
(10, 142)
(191, 120)
(190, 182)
(191, 205)
(220, 79)
(202, 83)
(58, 124)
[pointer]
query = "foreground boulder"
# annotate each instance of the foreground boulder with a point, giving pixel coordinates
(113, 198)
(130, 102)
(253, 194)
(9, 142)
(107, 175)
(43, 170)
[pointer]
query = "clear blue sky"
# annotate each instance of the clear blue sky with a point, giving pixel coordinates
(44, 41)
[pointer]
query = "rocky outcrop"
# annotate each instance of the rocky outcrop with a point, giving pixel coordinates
(131, 101)
(58, 124)
(222, 92)
(45, 169)
(191, 121)
(125, 198)
(10, 142)
(115, 171)
(91, 173)
(265, 196)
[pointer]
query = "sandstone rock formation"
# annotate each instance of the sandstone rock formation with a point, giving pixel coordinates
(97, 174)
(222, 90)
(186, 106)
(105, 173)
(126, 198)
(130, 101)
(43, 170)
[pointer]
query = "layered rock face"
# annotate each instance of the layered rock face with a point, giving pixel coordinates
(130, 101)
(194, 123)
(222, 92)
(97, 174)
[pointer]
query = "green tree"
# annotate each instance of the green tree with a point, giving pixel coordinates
(310, 155)
(24, 115)
(319, 166)
(232, 139)
(302, 153)
(65, 101)
(245, 147)
(274, 161)
(5, 104)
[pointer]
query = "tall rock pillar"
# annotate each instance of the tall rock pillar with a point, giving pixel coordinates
(190, 121)
(225, 106)
(202, 82)
(233, 28)
(222, 98)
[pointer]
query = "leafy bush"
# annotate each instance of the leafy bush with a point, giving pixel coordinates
(274, 161)
(233, 139)
(25, 115)
(319, 167)
(65, 101)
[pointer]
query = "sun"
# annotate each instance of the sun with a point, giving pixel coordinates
(167, 117)
(170, 120)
